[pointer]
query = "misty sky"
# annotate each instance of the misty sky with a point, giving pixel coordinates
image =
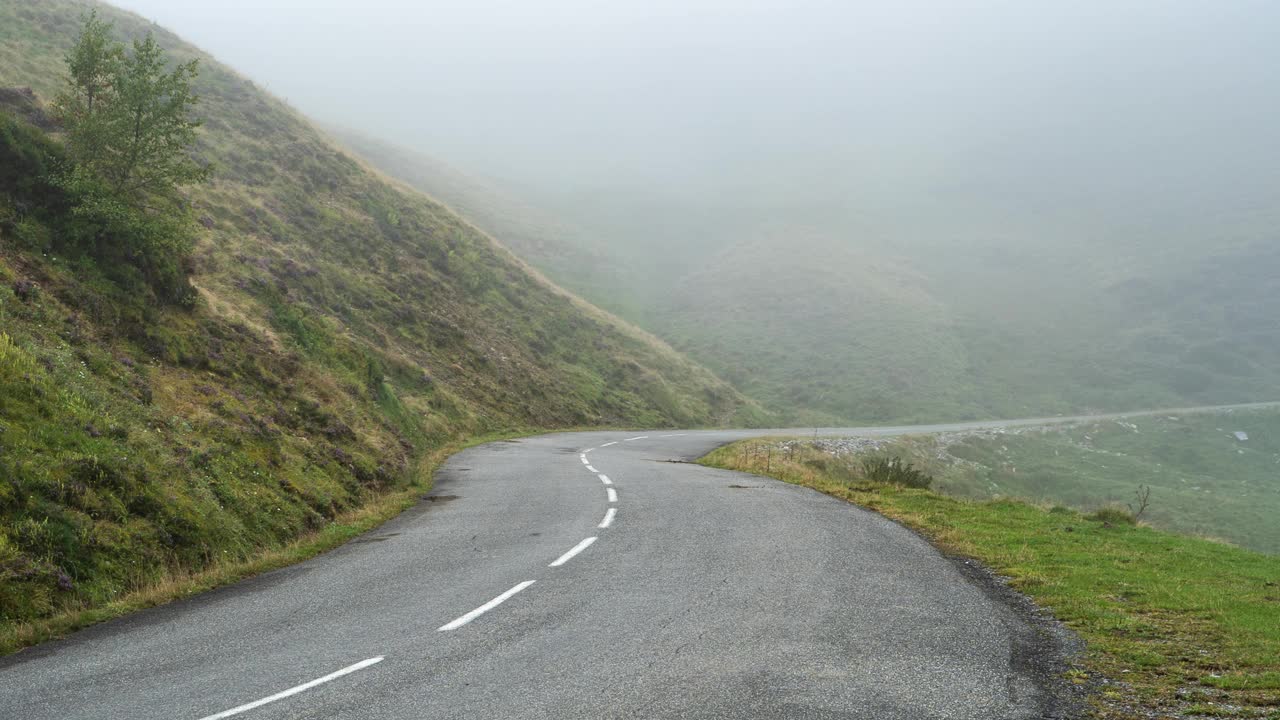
(807, 98)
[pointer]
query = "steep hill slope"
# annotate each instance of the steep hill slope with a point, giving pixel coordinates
(856, 331)
(587, 264)
(926, 306)
(345, 328)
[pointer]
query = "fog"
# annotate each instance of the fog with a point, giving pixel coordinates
(1100, 142)
(716, 93)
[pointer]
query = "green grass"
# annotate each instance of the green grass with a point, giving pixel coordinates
(346, 330)
(177, 582)
(1179, 626)
(1202, 480)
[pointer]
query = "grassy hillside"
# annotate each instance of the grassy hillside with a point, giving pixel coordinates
(878, 341)
(904, 308)
(1176, 627)
(535, 235)
(1203, 480)
(345, 329)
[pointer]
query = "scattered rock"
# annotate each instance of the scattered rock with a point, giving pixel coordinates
(26, 290)
(338, 430)
(849, 445)
(342, 456)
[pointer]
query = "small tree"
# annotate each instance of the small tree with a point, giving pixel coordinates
(129, 127)
(1143, 496)
(151, 128)
(91, 67)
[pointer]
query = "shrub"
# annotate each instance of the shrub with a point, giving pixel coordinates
(14, 362)
(33, 235)
(895, 471)
(28, 156)
(1112, 515)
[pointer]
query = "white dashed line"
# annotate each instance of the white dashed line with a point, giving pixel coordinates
(608, 518)
(613, 494)
(642, 437)
(615, 442)
(592, 469)
(584, 452)
(605, 479)
(569, 555)
(584, 460)
(295, 690)
(485, 607)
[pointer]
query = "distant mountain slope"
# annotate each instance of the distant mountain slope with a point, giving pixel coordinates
(853, 331)
(965, 309)
(590, 267)
(346, 328)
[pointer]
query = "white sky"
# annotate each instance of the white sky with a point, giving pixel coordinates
(710, 94)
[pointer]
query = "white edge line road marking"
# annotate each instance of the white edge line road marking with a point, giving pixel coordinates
(608, 518)
(642, 437)
(592, 469)
(605, 479)
(569, 555)
(613, 494)
(584, 452)
(584, 460)
(615, 442)
(295, 690)
(485, 607)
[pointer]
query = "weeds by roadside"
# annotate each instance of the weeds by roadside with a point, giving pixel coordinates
(1177, 627)
(895, 471)
(178, 582)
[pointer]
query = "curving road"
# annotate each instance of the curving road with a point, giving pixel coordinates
(576, 576)
(582, 576)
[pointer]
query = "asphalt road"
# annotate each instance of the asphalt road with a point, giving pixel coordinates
(704, 594)
(707, 594)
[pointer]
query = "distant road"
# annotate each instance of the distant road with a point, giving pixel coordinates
(889, 431)
(579, 575)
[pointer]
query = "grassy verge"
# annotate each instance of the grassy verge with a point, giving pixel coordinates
(178, 583)
(1176, 627)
